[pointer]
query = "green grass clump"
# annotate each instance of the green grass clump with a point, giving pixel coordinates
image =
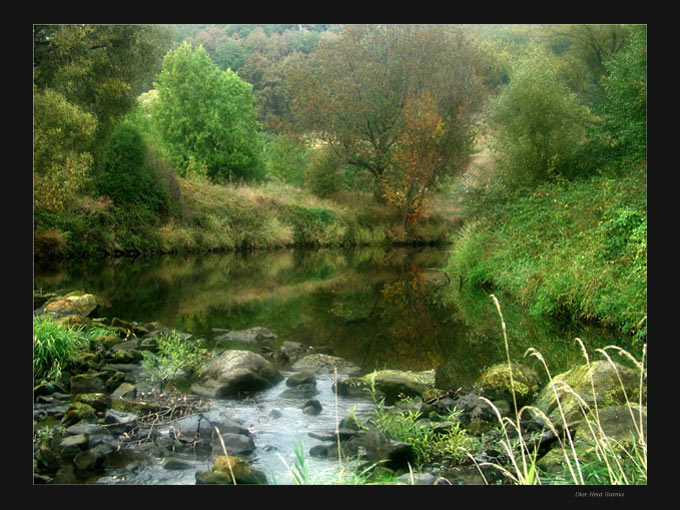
(54, 347)
(175, 359)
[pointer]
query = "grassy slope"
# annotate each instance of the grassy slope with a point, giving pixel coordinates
(574, 249)
(206, 216)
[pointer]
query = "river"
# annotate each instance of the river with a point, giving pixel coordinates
(378, 308)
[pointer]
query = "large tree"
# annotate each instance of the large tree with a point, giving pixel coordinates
(357, 91)
(86, 78)
(206, 116)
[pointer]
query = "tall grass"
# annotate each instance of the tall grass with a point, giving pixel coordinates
(54, 347)
(596, 458)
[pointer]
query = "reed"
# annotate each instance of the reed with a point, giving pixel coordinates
(613, 462)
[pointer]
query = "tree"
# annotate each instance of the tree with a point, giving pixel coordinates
(99, 68)
(417, 159)
(62, 133)
(205, 116)
(540, 126)
(354, 90)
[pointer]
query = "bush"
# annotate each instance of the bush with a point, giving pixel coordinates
(540, 125)
(322, 176)
(127, 177)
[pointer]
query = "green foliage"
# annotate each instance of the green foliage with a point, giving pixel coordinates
(286, 159)
(540, 125)
(54, 347)
(322, 176)
(625, 111)
(176, 358)
(61, 160)
(126, 177)
(404, 425)
(582, 252)
(206, 117)
(99, 68)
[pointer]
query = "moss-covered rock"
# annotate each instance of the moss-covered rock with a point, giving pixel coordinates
(608, 384)
(77, 304)
(78, 411)
(223, 468)
(98, 401)
(495, 383)
(398, 384)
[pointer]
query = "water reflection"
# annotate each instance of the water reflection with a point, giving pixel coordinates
(375, 307)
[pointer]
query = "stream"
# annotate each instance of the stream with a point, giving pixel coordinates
(377, 308)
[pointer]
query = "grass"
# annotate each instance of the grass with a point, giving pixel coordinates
(594, 458)
(575, 250)
(56, 345)
(175, 359)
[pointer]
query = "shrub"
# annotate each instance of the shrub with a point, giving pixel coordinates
(540, 125)
(127, 176)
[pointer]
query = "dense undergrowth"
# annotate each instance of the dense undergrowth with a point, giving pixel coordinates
(573, 249)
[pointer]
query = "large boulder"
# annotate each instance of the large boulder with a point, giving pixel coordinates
(319, 363)
(496, 383)
(74, 304)
(394, 385)
(234, 373)
(604, 382)
(202, 430)
(230, 470)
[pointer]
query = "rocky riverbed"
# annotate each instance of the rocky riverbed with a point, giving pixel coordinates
(288, 414)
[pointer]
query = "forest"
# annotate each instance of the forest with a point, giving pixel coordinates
(520, 147)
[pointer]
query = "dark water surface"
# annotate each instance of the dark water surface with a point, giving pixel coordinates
(378, 308)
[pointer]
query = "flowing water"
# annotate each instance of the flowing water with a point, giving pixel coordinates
(377, 308)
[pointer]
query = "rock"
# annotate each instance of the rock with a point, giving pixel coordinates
(621, 424)
(243, 472)
(299, 378)
(73, 445)
(125, 390)
(77, 411)
(74, 304)
(239, 444)
(301, 391)
(235, 372)
(417, 479)
(495, 383)
(290, 352)
(98, 401)
(379, 448)
(86, 383)
(213, 478)
(312, 407)
(249, 336)
(89, 460)
(398, 384)
(605, 384)
(199, 429)
(120, 421)
(324, 363)
(175, 463)
(353, 387)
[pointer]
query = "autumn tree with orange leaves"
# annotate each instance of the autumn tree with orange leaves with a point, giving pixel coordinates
(393, 100)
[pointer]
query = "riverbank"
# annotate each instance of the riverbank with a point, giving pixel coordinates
(570, 249)
(115, 414)
(211, 217)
